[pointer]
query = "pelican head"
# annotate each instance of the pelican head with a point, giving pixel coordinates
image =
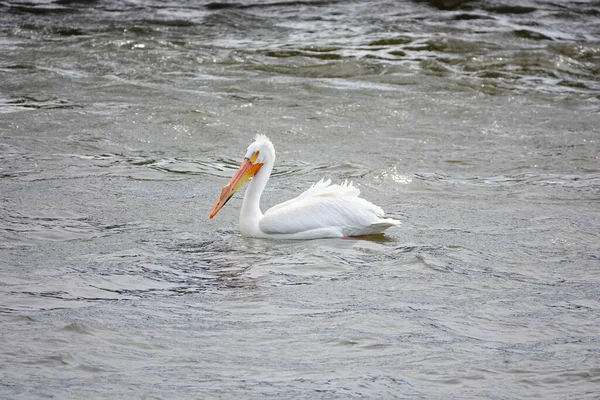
(259, 152)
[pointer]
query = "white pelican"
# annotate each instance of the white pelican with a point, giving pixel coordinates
(323, 211)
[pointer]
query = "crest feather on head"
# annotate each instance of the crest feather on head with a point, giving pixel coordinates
(261, 138)
(263, 145)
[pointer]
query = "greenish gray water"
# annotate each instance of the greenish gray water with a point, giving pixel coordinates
(475, 124)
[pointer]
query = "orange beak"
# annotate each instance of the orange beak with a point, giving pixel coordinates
(245, 172)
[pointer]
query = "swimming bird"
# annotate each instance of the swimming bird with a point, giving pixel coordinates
(322, 211)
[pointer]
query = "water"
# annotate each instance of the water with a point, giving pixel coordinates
(474, 123)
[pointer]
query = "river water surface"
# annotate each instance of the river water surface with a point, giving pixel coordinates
(474, 123)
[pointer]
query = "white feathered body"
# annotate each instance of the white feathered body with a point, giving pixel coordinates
(324, 210)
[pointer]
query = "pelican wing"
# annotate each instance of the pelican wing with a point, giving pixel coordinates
(326, 206)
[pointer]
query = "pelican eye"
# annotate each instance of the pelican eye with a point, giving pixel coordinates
(254, 156)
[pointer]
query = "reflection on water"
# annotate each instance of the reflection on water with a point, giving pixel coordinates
(473, 123)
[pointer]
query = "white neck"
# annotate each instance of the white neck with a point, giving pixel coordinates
(250, 213)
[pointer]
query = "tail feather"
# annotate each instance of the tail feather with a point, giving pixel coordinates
(386, 223)
(378, 227)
